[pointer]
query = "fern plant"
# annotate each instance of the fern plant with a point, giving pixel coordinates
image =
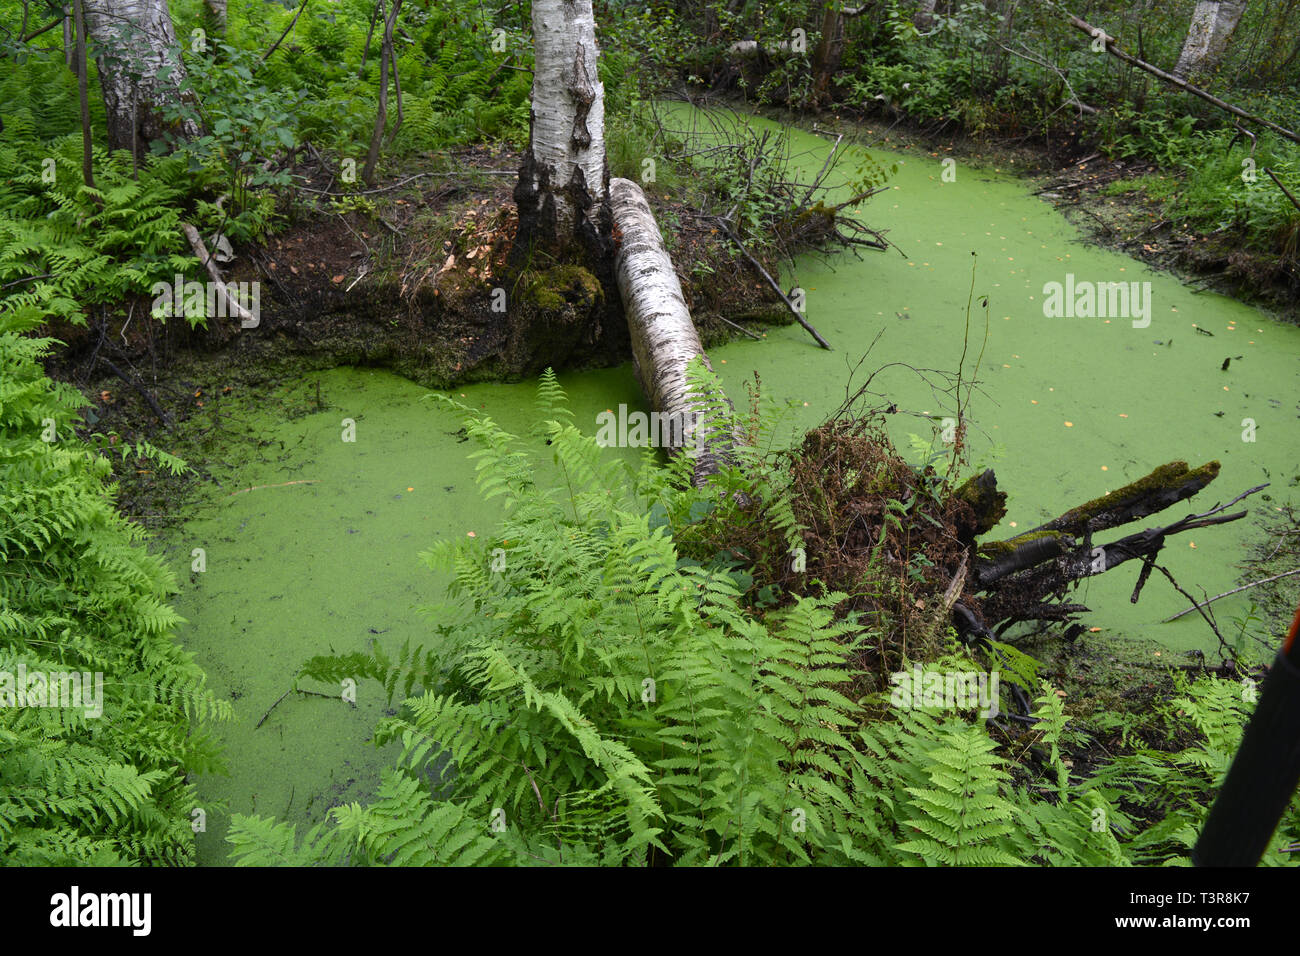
(79, 593)
(590, 696)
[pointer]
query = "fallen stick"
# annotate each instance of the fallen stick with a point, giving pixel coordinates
(313, 693)
(1244, 587)
(304, 481)
(246, 319)
(1113, 49)
(741, 328)
(149, 399)
(776, 288)
(1289, 195)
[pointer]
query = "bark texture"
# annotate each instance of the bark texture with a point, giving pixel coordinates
(923, 18)
(830, 50)
(664, 339)
(140, 69)
(1213, 23)
(564, 179)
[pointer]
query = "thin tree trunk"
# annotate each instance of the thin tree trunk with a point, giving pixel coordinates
(140, 70)
(87, 167)
(830, 49)
(381, 117)
(69, 40)
(1213, 23)
(365, 52)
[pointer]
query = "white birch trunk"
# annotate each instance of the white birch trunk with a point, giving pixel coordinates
(564, 179)
(663, 336)
(923, 18)
(134, 43)
(1213, 23)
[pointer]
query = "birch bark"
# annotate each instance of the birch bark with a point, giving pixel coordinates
(140, 69)
(664, 340)
(564, 180)
(1213, 23)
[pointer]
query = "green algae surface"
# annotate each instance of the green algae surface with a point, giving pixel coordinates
(321, 555)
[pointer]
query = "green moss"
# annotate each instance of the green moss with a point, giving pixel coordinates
(998, 549)
(1166, 476)
(557, 288)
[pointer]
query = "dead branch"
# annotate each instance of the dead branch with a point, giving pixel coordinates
(1244, 587)
(234, 307)
(1114, 50)
(772, 282)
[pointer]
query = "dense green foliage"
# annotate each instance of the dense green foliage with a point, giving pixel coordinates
(65, 247)
(79, 593)
(1012, 71)
(590, 696)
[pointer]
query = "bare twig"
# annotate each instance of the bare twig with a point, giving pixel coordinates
(1244, 587)
(740, 328)
(276, 44)
(772, 282)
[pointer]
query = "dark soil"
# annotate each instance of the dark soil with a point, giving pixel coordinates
(407, 276)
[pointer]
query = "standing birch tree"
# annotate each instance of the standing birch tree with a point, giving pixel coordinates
(1213, 23)
(563, 187)
(140, 69)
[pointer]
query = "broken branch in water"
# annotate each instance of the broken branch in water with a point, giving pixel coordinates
(1021, 572)
(304, 481)
(772, 282)
(144, 393)
(312, 693)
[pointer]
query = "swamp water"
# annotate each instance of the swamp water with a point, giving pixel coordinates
(321, 556)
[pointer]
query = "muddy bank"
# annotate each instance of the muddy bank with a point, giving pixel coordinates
(411, 276)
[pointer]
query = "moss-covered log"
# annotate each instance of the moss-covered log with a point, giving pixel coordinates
(1166, 486)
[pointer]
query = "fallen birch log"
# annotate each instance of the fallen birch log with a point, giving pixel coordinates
(664, 339)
